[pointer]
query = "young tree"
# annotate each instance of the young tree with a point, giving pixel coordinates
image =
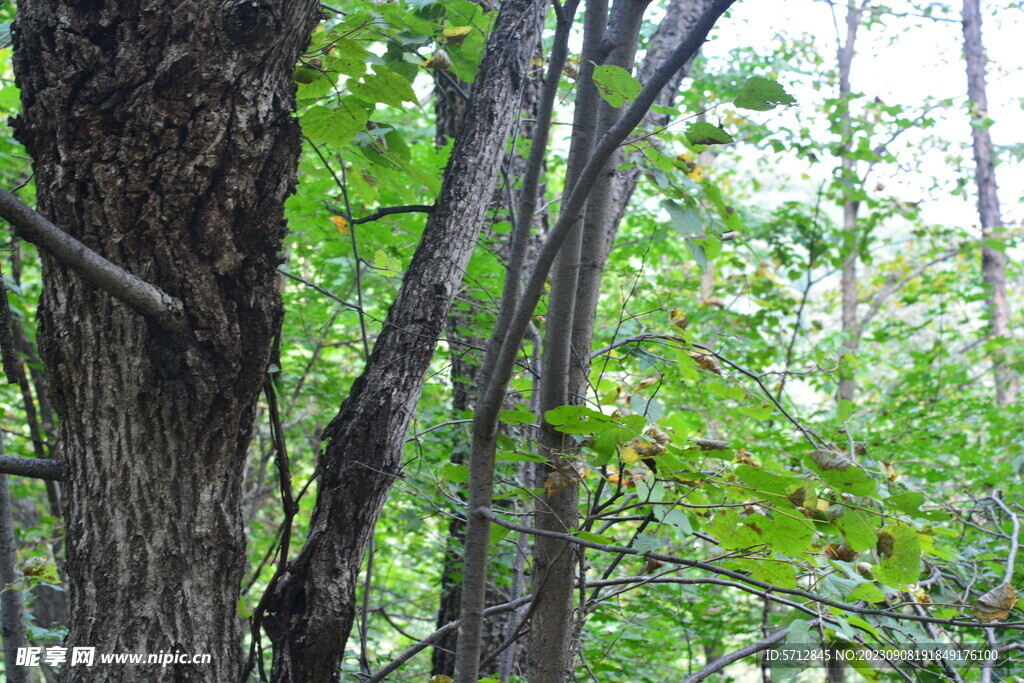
(993, 256)
(163, 148)
(312, 607)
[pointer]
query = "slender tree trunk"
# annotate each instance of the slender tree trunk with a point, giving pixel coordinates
(162, 139)
(850, 289)
(993, 258)
(516, 311)
(311, 610)
(13, 629)
(576, 280)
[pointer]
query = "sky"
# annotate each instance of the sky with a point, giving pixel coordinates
(907, 60)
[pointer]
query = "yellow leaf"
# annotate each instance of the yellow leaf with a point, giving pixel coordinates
(439, 61)
(340, 223)
(456, 34)
(440, 678)
(628, 454)
(677, 317)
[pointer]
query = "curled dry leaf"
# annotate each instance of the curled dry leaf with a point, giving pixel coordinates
(564, 477)
(831, 460)
(706, 360)
(842, 552)
(996, 604)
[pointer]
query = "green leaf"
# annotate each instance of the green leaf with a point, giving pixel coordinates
(845, 409)
(776, 572)
(336, 127)
(868, 592)
(384, 86)
(789, 535)
(458, 474)
(516, 417)
(348, 57)
(725, 391)
(704, 133)
(762, 94)
(496, 532)
(766, 482)
(594, 538)
(903, 566)
(759, 413)
(616, 85)
(648, 543)
(857, 529)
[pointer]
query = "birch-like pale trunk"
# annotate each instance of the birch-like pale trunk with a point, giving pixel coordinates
(993, 257)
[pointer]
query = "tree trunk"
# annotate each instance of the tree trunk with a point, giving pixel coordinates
(13, 629)
(162, 139)
(850, 293)
(312, 609)
(993, 259)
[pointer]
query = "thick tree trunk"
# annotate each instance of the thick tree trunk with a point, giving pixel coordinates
(163, 140)
(993, 260)
(312, 609)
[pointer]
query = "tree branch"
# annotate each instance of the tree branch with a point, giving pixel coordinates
(38, 468)
(138, 294)
(736, 655)
(748, 582)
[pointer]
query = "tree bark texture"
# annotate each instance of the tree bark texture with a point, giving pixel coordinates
(993, 260)
(162, 139)
(463, 326)
(13, 628)
(312, 608)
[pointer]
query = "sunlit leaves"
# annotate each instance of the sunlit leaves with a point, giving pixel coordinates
(335, 126)
(616, 85)
(762, 94)
(704, 133)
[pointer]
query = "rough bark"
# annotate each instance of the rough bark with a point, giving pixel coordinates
(13, 628)
(162, 140)
(993, 260)
(312, 608)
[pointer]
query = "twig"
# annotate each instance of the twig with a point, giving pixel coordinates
(722, 662)
(380, 213)
(743, 578)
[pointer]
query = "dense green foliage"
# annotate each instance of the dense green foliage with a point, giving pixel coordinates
(719, 321)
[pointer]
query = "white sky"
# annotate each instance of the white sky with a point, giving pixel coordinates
(905, 61)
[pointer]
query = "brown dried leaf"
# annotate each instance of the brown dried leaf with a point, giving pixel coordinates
(831, 460)
(564, 477)
(996, 604)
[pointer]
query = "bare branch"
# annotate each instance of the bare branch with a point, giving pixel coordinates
(736, 655)
(141, 296)
(38, 468)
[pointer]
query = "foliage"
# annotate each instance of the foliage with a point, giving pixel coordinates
(712, 448)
